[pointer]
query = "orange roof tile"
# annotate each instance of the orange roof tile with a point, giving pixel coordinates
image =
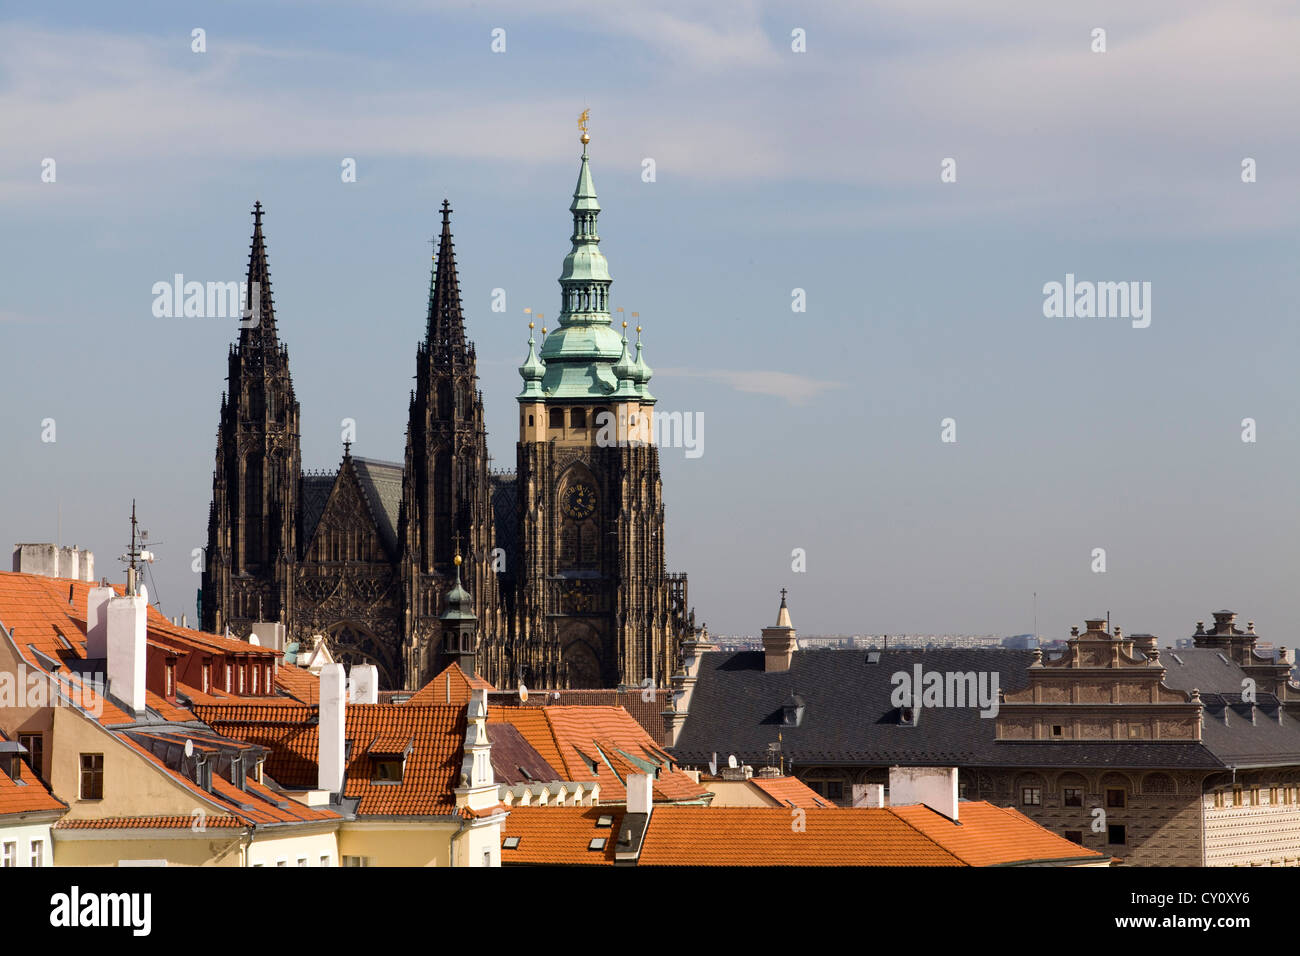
(684, 835)
(299, 683)
(151, 823)
(790, 791)
(29, 796)
(603, 744)
(560, 835)
(451, 686)
(291, 736)
(992, 836)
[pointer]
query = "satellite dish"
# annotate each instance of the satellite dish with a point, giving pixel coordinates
(731, 761)
(523, 693)
(189, 748)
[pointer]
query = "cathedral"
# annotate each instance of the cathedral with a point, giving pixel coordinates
(559, 565)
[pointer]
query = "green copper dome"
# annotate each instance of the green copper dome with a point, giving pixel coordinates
(459, 603)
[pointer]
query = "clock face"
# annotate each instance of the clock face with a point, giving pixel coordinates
(579, 501)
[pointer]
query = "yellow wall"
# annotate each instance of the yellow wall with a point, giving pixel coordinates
(424, 843)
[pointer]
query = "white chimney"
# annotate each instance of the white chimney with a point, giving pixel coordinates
(127, 630)
(640, 793)
(269, 634)
(364, 688)
(868, 794)
(97, 622)
(936, 787)
(333, 714)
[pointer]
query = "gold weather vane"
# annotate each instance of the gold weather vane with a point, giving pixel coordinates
(582, 124)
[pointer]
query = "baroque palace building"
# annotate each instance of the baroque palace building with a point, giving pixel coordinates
(563, 559)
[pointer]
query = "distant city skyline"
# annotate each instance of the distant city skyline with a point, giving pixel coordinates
(781, 179)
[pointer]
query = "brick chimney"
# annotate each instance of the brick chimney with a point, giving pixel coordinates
(779, 640)
(126, 640)
(332, 729)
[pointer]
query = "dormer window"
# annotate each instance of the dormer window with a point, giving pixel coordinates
(389, 755)
(169, 678)
(792, 711)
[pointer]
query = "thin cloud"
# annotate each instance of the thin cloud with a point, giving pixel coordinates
(795, 389)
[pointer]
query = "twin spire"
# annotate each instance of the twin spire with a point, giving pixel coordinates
(446, 324)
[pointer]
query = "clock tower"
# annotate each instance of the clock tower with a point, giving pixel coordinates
(595, 606)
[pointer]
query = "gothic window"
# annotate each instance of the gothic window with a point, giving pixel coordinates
(253, 510)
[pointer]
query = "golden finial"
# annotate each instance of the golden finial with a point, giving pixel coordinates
(457, 559)
(638, 330)
(530, 326)
(582, 125)
(625, 323)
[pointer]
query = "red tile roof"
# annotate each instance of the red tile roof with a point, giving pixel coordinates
(560, 835)
(790, 791)
(152, 823)
(684, 835)
(37, 612)
(291, 736)
(601, 744)
(30, 796)
(451, 686)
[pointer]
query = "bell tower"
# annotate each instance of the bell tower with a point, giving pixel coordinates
(594, 607)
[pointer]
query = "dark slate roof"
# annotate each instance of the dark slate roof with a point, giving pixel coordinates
(505, 517)
(315, 492)
(514, 760)
(381, 483)
(1238, 733)
(850, 720)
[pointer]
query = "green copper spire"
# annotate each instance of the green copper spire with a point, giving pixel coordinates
(641, 372)
(532, 371)
(459, 603)
(579, 356)
(625, 372)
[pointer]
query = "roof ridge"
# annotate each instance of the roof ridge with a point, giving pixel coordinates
(898, 816)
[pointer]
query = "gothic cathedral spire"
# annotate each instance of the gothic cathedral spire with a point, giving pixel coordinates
(253, 521)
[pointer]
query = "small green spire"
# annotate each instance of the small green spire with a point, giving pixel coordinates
(642, 371)
(459, 603)
(533, 371)
(625, 372)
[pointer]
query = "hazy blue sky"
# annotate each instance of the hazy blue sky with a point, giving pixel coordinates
(776, 170)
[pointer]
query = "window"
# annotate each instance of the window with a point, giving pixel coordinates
(356, 861)
(1057, 730)
(92, 776)
(169, 678)
(834, 790)
(302, 861)
(9, 856)
(557, 418)
(35, 744)
(487, 857)
(1218, 799)
(1074, 836)
(511, 843)
(1072, 797)
(1254, 796)
(1116, 834)
(1031, 796)
(578, 418)
(530, 421)
(1115, 797)
(1236, 796)
(281, 862)
(38, 853)
(597, 843)
(389, 771)
(325, 860)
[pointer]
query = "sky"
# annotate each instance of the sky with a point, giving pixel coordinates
(794, 147)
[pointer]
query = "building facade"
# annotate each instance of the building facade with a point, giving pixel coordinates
(563, 559)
